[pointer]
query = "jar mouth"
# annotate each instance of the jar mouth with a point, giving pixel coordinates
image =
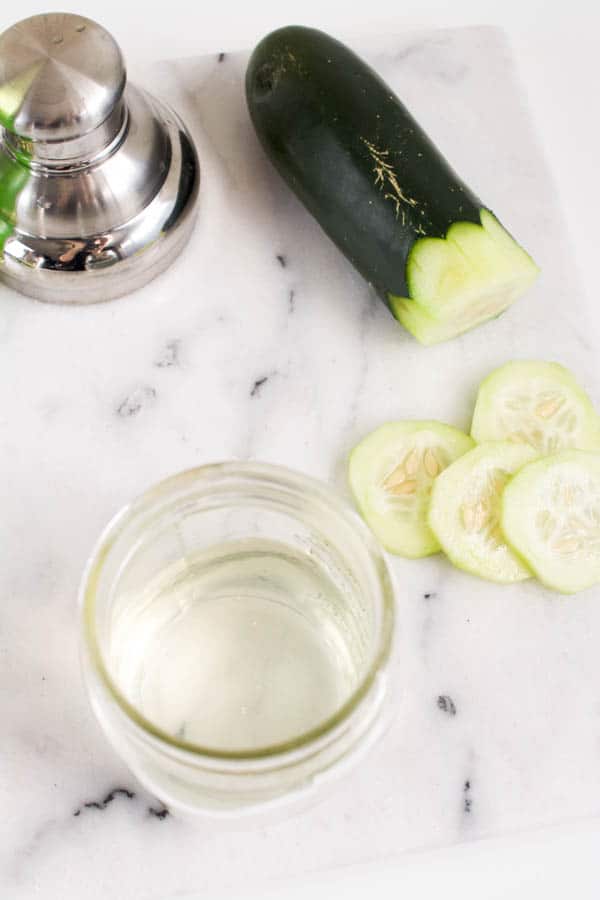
(206, 478)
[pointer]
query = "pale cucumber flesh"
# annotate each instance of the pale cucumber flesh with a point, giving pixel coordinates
(535, 402)
(391, 473)
(464, 512)
(551, 517)
(462, 280)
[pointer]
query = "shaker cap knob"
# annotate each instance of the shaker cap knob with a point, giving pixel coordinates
(61, 76)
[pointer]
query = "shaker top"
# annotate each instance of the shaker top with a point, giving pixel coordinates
(98, 179)
(61, 76)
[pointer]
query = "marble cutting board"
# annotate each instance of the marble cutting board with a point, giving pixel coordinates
(262, 342)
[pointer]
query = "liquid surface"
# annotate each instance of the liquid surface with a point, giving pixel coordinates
(248, 645)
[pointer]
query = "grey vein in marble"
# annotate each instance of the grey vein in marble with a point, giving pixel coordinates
(446, 704)
(468, 800)
(159, 812)
(136, 401)
(258, 384)
(102, 804)
(169, 355)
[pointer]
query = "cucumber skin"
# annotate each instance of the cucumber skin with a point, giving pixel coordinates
(324, 117)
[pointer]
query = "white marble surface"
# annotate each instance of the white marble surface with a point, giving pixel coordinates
(97, 403)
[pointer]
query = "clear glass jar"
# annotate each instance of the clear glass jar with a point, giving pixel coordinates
(237, 622)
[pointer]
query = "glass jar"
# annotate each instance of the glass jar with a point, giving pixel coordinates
(237, 622)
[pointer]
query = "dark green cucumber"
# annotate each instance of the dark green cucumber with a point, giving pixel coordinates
(378, 186)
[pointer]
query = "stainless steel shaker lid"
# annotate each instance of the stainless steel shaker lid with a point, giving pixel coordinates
(60, 77)
(98, 180)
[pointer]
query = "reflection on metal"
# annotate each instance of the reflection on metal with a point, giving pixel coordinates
(13, 178)
(98, 180)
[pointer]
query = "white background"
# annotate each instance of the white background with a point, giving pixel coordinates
(557, 50)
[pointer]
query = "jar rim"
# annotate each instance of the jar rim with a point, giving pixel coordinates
(207, 475)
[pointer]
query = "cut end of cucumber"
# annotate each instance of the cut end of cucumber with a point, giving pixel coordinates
(551, 516)
(535, 402)
(460, 281)
(391, 472)
(465, 509)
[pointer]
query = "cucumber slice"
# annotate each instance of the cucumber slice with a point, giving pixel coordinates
(460, 281)
(539, 403)
(551, 517)
(391, 472)
(464, 513)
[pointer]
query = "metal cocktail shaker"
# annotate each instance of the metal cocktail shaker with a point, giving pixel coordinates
(98, 180)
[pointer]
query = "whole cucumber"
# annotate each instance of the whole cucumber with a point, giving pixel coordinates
(378, 186)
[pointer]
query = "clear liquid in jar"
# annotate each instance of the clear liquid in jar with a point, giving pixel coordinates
(244, 646)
